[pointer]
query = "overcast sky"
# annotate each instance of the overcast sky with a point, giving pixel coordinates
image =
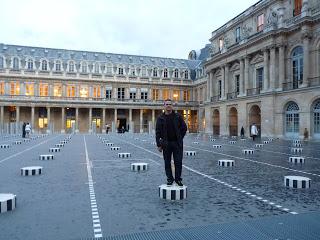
(163, 28)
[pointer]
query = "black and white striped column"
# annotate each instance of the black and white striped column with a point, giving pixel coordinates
(46, 157)
(8, 202)
(31, 171)
(190, 153)
(4, 146)
(137, 167)
(124, 155)
(217, 146)
(297, 182)
(115, 148)
(296, 159)
(248, 151)
(54, 149)
(172, 192)
(226, 163)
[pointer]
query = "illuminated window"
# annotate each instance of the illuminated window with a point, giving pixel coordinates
(43, 89)
(155, 94)
(96, 91)
(14, 88)
(57, 90)
(29, 89)
(176, 95)
(260, 22)
(84, 91)
(186, 95)
(165, 94)
(71, 91)
(2, 88)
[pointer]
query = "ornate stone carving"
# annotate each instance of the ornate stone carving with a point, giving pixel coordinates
(272, 18)
(246, 31)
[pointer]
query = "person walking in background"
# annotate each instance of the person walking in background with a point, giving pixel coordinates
(254, 131)
(28, 130)
(242, 132)
(107, 128)
(23, 130)
(170, 131)
(305, 134)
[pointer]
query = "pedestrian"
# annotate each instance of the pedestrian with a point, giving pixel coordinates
(254, 131)
(242, 132)
(170, 131)
(305, 134)
(107, 128)
(28, 130)
(23, 130)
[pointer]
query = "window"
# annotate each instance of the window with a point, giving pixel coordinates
(1, 62)
(57, 90)
(43, 89)
(71, 91)
(155, 72)
(186, 95)
(29, 89)
(71, 66)
(176, 95)
(109, 69)
(292, 119)
(259, 78)
(84, 93)
(96, 91)
(297, 7)
(165, 73)
(133, 72)
(155, 94)
(108, 93)
(186, 74)
(316, 118)
(260, 22)
(14, 88)
(120, 93)
(297, 66)
(58, 66)
(120, 71)
(238, 36)
(165, 94)
(176, 73)
(220, 44)
(237, 84)
(96, 68)
(43, 118)
(220, 89)
(15, 63)
(30, 64)
(144, 94)
(84, 67)
(133, 94)
(44, 65)
(2, 89)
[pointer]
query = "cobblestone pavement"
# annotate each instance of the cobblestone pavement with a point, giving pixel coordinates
(57, 204)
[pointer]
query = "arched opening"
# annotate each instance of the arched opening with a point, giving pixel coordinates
(292, 120)
(216, 122)
(233, 122)
(255, 117)
(316, 119)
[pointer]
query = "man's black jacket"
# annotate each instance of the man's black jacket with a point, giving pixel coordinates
(161, 130)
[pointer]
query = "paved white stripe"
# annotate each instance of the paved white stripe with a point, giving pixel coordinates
(97, 231)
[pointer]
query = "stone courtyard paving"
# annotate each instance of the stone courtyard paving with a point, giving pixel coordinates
(87, 191)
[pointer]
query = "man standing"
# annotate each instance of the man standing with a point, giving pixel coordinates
(170, 131)
(254, 131)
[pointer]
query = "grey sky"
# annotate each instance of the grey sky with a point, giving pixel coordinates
(164, 28)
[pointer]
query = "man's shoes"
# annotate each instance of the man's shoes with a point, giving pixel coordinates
(169, 182)
(179, 183)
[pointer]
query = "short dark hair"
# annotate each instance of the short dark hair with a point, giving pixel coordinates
(168, 99)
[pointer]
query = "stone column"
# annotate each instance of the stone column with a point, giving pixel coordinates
(64, 90)
(208, 118)
(272, 68)
(213, 88)
(103, 122)
(48, 118)
(187, 118)
(241, 78)
(246, 74)
(305, 61)
(223, 83)
(114, 127)
(90, 120)
(281, 67)
(153, 119)
(1, 119)
(265, 70)
(63, 130)
(141, 120)
(208, 87)
(226, 84)
(32, 119)
(77, 120)
(17, 119)
(131, 128)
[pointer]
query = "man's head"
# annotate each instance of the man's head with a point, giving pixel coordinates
(167, 105)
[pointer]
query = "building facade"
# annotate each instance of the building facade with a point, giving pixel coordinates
(261, 67)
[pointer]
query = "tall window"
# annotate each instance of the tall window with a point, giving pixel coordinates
(84, 67)
(165, 94)
(133, 71)
(120, 93)
(44, 65)
(144, 93)
(16, 63)
(57, 90)
(292, 119)
(108, 93)
(71, 66)
(165, 73)
(297, 66)
(238, 34)
(186, 74)
(2, 89)
(84, 92)
(133, 93)
(176, 73)
(14, 88)
(297, 7)
(29, 89)
(43, 89)
(316, 118)
(1, 62)
(220, 44)
(237, 84)
(30, 64)
(120, 71)
(260, 22)
(155, 94)
(176, 95)
(71, 91)
(155, 72)
(186, 95)
(58, 66)
(259, 78)
(96, 91)
(220, 89)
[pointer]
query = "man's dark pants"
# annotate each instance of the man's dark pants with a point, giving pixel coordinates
(173, 149)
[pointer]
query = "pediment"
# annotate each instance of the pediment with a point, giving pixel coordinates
(235, 67)
(257, 59)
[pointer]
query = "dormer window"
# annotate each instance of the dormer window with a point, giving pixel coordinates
(1, 62)
(165, 73)
(15, 63)
(120, 71)
(260, 22)
(96, 68)
(186, 74)
(176, 73)
(220, 44)
(58, 66)
(84, 67)
(155, 72)
(44, 65)
(71, 66)
(30, 64)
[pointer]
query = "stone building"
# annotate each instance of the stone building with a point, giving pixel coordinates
(262, 67)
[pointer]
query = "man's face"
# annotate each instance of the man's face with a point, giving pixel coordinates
(168, 106)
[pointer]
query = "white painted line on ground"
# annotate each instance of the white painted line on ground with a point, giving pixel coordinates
(204, 175)
(97, 232)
